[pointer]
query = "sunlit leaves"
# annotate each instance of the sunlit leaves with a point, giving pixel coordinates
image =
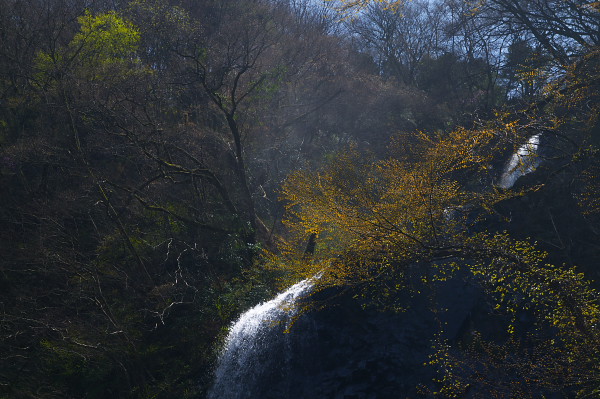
(380, 214)
(105, 37)
(104, 48)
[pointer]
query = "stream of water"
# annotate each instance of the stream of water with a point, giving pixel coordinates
(251, 341)
(524, 161)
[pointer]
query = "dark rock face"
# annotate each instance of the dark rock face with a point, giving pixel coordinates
(348, 352)
(552, 217)
(364, 354)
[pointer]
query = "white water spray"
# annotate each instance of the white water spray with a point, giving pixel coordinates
(524, 161)
(248, 347)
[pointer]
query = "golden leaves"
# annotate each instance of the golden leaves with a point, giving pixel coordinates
(392, 206)
(373, 212)
(351, 7)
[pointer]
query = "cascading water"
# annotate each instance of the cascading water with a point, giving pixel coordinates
(524, 161)
(256, 344)
(340, 351)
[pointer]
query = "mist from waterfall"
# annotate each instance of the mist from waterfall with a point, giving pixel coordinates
(524, 161)
(251, 342)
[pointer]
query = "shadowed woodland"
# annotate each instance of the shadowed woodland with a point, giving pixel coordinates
(166, 165)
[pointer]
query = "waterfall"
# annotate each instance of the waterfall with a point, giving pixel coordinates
(524, 161)
(256, 344)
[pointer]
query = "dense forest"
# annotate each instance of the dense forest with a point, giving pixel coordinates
(167, 164)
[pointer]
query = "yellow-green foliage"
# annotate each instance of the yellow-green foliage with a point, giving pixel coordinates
(105, 38)
(104, 48)
(521, 280)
